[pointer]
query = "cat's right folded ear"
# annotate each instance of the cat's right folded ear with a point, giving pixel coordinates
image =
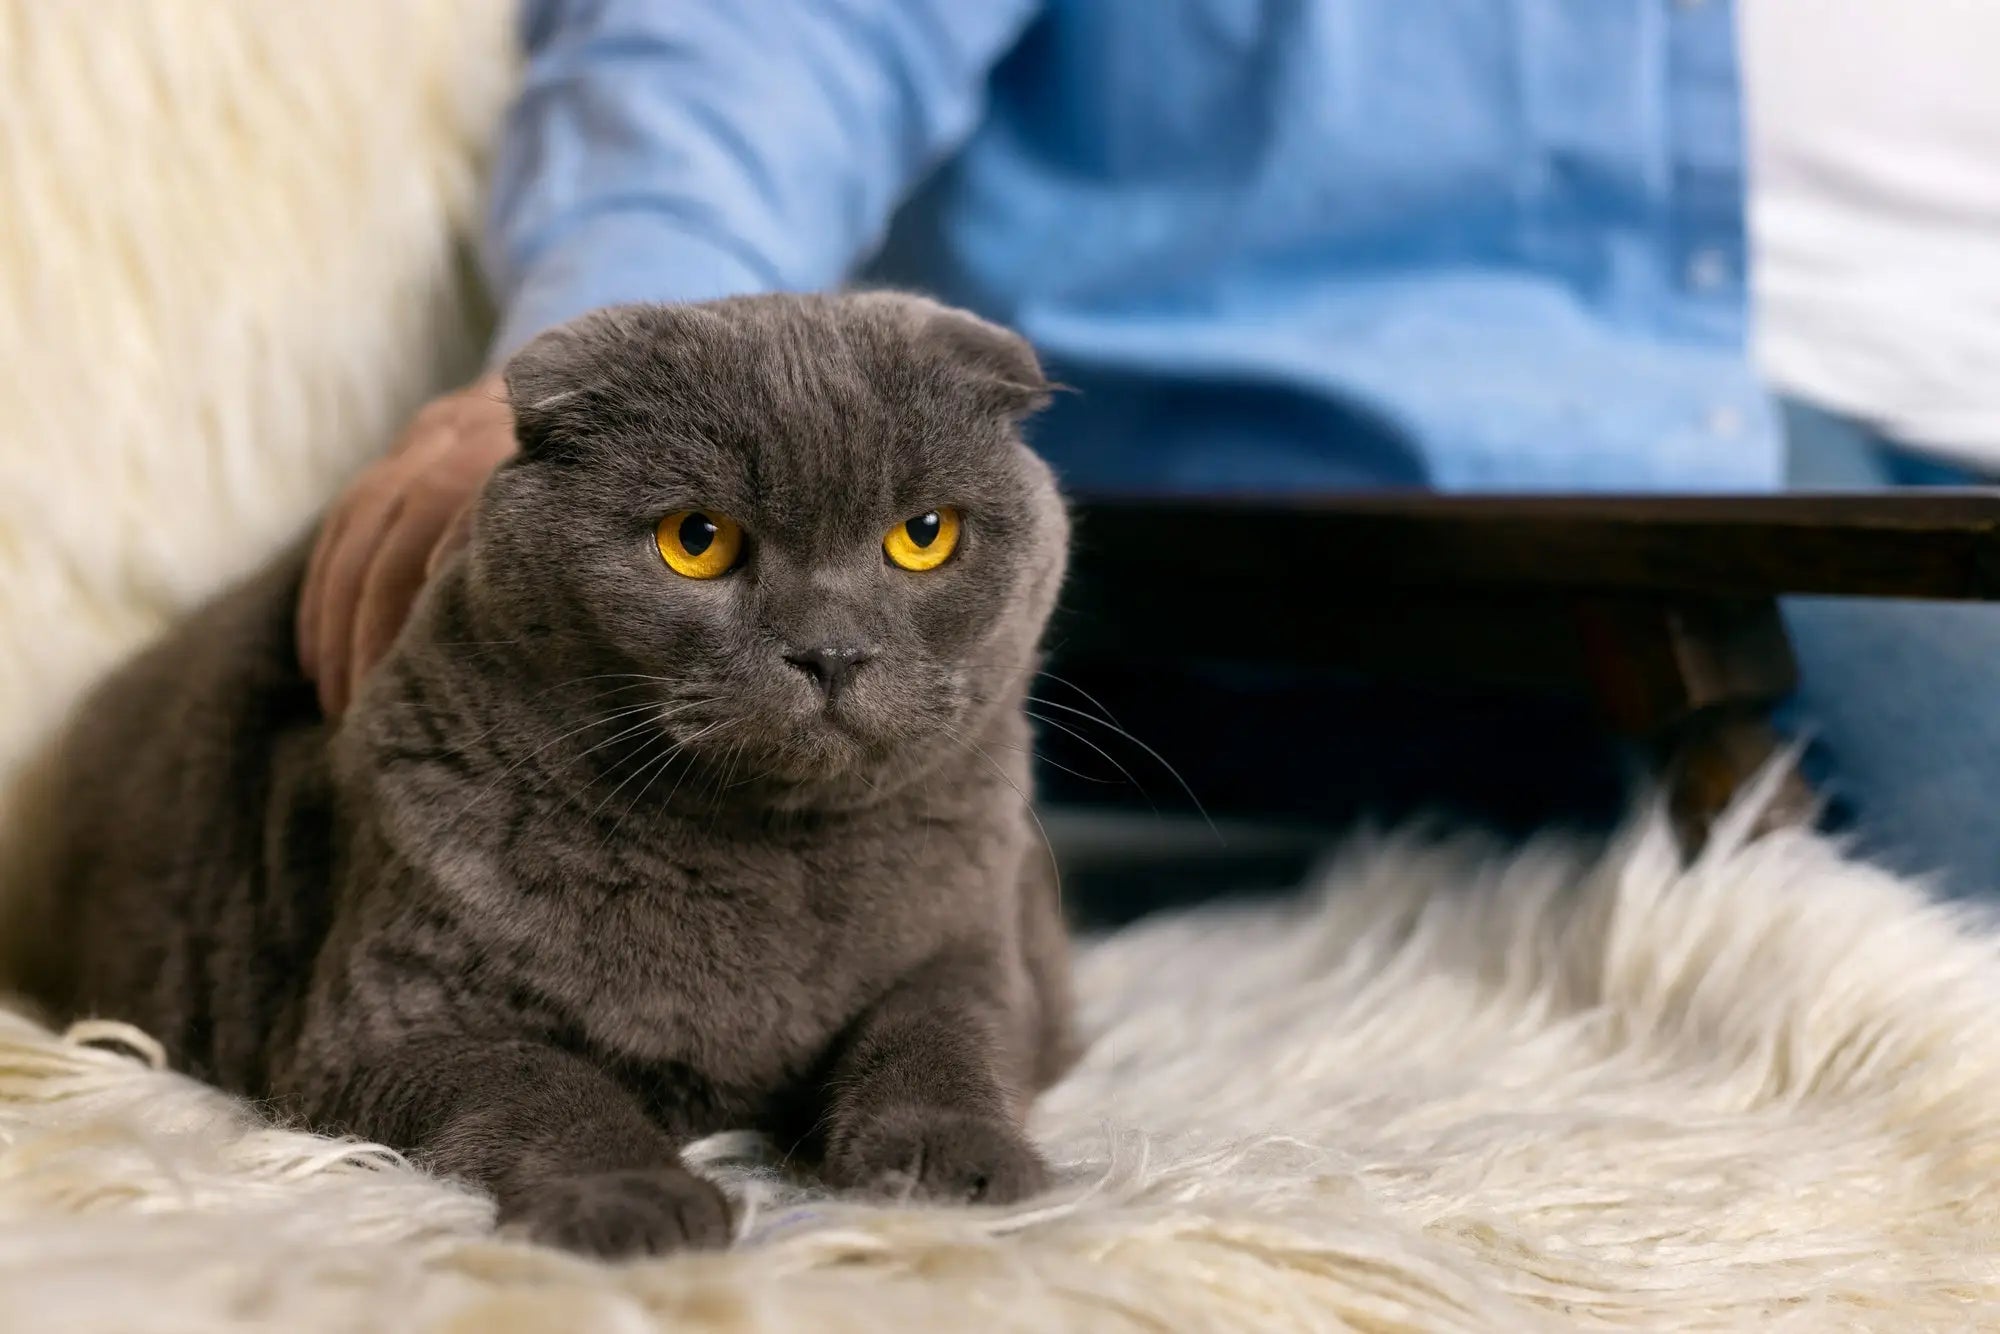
(600, 376)
(549, 371)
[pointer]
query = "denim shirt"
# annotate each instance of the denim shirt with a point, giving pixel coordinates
(1468, 244)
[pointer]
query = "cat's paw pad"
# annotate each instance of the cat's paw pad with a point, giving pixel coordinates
(610, 1214)
(935, 1154)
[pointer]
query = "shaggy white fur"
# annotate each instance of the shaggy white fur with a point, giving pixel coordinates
(1452, 1090)
(231, 237)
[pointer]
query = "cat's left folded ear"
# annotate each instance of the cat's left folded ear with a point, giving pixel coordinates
(1000, 366)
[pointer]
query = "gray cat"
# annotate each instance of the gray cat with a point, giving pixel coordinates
(692, 797)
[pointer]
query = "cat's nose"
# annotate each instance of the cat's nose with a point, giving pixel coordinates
(829, 668)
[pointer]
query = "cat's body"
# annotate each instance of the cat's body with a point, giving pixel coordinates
(600, 861)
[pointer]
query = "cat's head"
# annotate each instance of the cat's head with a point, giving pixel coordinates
(811, 520)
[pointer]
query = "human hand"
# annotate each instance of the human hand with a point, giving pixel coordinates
(389, 530)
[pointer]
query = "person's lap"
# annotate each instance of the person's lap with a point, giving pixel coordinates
(1899, 701)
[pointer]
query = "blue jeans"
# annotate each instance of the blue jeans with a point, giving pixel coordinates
(1899, 701)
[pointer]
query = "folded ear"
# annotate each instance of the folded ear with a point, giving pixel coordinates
(554, 368)
(599, 374)
(999, 366)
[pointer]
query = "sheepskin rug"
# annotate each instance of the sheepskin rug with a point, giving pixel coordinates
(233, 259)
(1449, 1087)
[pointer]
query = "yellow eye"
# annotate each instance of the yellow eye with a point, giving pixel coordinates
(698, 544)
(925, 542)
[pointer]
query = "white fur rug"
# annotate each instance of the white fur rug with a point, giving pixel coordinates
(1448, 1091)
(1452, 1091)
(232, 261)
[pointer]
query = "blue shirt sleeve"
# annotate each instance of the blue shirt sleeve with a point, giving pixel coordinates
(679, 150)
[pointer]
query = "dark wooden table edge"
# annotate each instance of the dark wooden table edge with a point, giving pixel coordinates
(1935, 544)
(1667, 605)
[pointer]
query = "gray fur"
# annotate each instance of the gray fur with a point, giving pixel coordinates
(496, 918)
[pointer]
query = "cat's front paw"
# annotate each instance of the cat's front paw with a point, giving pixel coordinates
(935, 1153)
(648, 1211)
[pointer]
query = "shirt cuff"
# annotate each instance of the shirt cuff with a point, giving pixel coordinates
(619, 258)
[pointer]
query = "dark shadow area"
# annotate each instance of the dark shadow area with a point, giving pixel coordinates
(1298, 758)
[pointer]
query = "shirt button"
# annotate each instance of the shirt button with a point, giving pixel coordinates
(1707, 270)
(1725, 421)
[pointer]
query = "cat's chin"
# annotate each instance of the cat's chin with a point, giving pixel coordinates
(819, 750)
(822, 759)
